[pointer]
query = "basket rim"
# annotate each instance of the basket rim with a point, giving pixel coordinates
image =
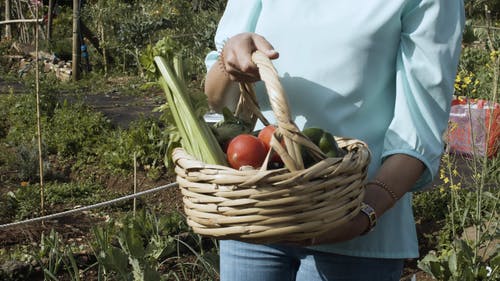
(355, 149)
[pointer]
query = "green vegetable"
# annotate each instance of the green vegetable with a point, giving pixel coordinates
(325, 141)
(329, 145)
(196, 136)
(230, 127)
(314, 134)
(307, 158)
(332, 153)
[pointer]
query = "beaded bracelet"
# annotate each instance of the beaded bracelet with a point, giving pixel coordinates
(386, 188)
(222, 64)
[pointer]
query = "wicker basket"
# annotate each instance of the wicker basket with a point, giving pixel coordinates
(264, 206)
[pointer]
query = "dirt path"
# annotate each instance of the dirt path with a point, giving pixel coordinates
(120, 108)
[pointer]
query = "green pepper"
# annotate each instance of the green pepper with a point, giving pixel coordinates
(329, 145)
(314, 134)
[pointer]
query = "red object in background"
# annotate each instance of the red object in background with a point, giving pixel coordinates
(468, 127)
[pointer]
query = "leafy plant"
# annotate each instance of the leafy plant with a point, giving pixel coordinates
(133, 248)
(145, 138)
(9, 205)
(125, 28)
(26, 199)
(464, 251)
(27, 161)
(204, 267)
(76, 130)
(431, 205)
(54, 256)
(455, 264)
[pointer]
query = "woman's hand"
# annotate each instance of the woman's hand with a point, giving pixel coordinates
(351, 229)
(235, 65)
(236, 56)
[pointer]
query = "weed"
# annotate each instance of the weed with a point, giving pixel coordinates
(54, 256)
(135, 247)
(27, 198)
(75, 130)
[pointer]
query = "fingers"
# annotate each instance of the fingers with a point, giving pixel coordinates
(241, 68)
(347, 231)
(236, 56)
(301, 243)
(264, 46)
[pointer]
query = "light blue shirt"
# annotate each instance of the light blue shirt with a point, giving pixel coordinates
(379, 71)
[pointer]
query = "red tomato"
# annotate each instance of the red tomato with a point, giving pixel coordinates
(246, 150)
(265, 135)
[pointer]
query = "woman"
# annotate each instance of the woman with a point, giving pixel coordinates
(378, 71)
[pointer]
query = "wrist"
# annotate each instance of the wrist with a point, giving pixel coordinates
(378, 198)
(369, 217)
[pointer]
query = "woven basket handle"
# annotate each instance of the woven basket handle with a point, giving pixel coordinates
(286, 128)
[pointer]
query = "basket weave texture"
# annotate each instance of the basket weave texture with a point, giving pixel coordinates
(266, 206)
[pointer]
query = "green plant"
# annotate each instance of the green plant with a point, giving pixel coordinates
(27, 162)
(26, 199)
(204, 267)
(9, 206)
(431, 205)
(455, 264)
(125, 28)
(71, 194)
(54, 256)
(464, 251)
(145, 138)
(19, 123)
(431, 210)
(76, 130)
(475, 8)
(134, 247)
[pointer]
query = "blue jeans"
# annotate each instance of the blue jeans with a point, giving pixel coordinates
(251, 262)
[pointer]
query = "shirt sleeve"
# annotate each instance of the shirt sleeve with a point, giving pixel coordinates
(426, 67)
(239, 16)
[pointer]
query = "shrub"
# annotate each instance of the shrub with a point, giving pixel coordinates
(75, 130)
(145, 138)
